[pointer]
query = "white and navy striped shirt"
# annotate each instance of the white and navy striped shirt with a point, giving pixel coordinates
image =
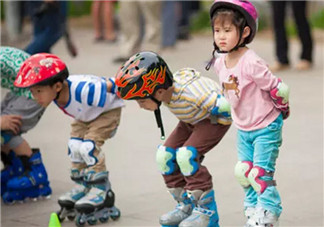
(88, 97)
(194, 97)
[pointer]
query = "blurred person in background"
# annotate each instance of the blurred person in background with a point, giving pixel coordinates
(130, 24)
(103, 20)
(49, 19)
(299, 9)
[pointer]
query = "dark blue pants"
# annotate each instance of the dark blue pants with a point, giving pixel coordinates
(49, 25)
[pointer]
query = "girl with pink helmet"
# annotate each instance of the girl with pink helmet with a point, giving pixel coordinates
(259, 103)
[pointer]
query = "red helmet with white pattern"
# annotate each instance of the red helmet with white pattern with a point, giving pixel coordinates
(41, 69)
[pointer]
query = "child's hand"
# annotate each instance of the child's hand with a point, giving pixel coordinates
(11, 122)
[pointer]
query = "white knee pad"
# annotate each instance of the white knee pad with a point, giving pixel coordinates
(165, 158)
(242, 170)
(74, 145)
(187, 160)
(87, 149)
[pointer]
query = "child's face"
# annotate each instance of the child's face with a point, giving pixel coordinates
(44, 95)
(147, 104)
(226, 35)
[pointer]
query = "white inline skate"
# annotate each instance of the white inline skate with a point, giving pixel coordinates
(263, 218)
(182, 210)
(98, 203)
(68, 200)
(205, 212)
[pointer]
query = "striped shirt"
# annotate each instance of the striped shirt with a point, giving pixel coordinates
(89, 98)
(194, 97)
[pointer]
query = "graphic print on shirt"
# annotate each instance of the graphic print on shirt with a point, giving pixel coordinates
(233, 85)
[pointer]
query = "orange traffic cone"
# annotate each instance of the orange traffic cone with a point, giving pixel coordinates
(54, 221)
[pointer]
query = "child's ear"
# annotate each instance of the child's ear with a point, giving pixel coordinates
(58, 86)
(246, 32)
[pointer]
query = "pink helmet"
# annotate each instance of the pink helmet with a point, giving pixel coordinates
(245, 7)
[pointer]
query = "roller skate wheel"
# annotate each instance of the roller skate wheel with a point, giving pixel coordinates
(92, 221)
(71, 217)
(104, 219)
(115, 216)
(79, 222)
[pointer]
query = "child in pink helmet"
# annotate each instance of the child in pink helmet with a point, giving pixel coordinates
(259, 103)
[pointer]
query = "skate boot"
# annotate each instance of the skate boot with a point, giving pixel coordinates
(249, 213)
(68, 200)
(205, 211)
(263, 218)
(32, 184)
(182, 210)
(98, 204)
(13, 168)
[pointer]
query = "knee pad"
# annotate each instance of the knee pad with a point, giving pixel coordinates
(187, 160)
(74, 145)
(241, 171)
(165, 158)
(258, 184)
(87, 149)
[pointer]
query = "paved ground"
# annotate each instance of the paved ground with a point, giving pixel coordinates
(141, 194)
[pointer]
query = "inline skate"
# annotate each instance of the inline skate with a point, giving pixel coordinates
(98, 204)
(205, 212)
(13, 167)
(32, 184)
(68, 200)
(182, 210)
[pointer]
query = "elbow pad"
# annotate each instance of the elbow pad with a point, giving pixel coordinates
(280, 95)
(222, 107)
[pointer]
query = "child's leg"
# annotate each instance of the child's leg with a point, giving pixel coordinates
(267, 142)
(199, 186)
(95, 175)
(173, 178)
(245, 150)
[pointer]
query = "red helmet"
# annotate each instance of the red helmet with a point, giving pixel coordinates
(142, 75)
(246, 8)
(40, 68)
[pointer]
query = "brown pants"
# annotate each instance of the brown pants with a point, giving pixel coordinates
(98, 130)
(203, 136)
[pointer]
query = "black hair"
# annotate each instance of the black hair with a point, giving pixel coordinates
(234, 16)
(237, 19)
(60, 77)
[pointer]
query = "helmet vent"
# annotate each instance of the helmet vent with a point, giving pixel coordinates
(142, 59)
(136, 67)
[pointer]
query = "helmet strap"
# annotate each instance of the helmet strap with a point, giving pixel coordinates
(158, 117)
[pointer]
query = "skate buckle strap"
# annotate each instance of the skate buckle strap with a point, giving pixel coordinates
(32, 180)
(203, 211)
(36, 161)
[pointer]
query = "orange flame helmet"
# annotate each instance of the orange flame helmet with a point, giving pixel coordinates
(142, 75)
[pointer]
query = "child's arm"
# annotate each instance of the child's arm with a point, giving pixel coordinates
(279, 91)
(217, 106)
(111, 86)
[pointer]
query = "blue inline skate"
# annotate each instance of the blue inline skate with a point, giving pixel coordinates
(13, 168)
(182, 210)
(68, 200)
(98, 204)
(32, 184)
(205, 212)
